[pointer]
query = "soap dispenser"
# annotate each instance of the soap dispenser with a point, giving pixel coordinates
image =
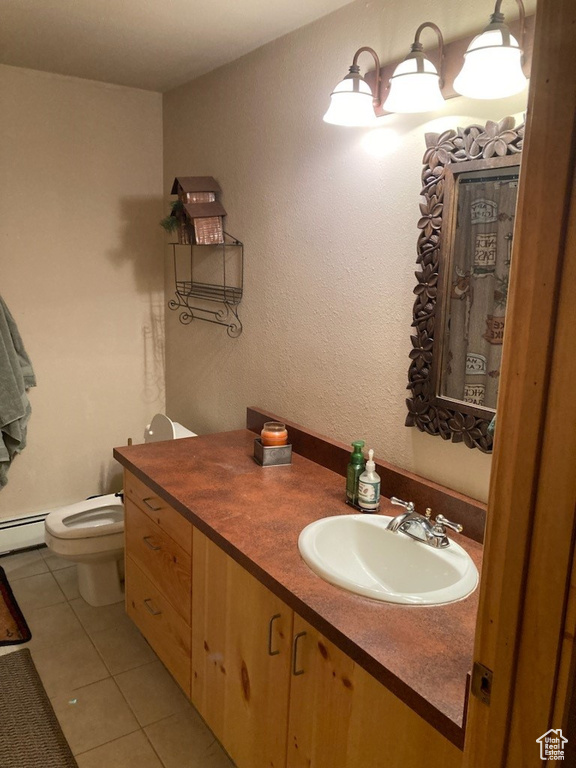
(369, 486)
(355, 469)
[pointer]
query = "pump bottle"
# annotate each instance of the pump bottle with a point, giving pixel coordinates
(369, 486)
(355, 469)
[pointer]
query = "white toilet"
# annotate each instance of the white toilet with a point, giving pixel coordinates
(91, 532)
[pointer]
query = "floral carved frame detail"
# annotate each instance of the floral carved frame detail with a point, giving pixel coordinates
(424, 411)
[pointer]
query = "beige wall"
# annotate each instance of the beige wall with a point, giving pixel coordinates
(81, 271)
(330, 235)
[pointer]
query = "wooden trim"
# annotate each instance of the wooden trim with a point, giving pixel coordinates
(395, 481)
(532, 495)
(565, 705)
(565, 701)
(550, 565)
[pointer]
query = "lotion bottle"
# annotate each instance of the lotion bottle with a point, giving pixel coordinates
(369, 486)
(355, 469)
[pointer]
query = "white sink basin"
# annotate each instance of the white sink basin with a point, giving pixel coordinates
(358, 553)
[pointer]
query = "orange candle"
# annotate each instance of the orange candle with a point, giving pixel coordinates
(274, 433)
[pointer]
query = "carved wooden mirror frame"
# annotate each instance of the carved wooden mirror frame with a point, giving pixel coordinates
(425, 411)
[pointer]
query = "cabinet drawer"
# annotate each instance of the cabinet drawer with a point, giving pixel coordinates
(172, 522)
(165, 563)
(163, 628)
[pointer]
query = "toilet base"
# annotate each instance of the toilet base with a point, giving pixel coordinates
(99, 582)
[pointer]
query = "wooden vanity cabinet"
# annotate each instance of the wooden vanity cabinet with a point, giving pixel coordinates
(277, 693)
(158, 576)
(274, 691)
(241, 644)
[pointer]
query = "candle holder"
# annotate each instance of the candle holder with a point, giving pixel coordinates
(271, 455)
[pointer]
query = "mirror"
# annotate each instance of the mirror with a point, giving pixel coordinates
(476, 267)
(470, 183)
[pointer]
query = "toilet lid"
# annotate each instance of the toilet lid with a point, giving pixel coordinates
(163, 428)
(160, 428)
(101, 516)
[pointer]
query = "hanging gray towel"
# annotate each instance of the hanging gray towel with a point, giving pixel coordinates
(16, 376)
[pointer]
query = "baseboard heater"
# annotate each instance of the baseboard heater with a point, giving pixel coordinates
(22, 532)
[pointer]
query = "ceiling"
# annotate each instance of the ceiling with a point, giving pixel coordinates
(145, 43)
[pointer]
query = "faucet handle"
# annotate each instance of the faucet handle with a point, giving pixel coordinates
(441, 522)
(408, 505)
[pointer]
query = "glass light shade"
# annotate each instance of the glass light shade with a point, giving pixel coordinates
(492, 70)
(413, 91)
(351, 107)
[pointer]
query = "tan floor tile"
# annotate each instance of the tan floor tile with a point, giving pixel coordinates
(97, 619)
(152, 693)
(184, 741)
(37, 592)
(54, 626)
(68, 666)
(94, 715)
(122, 647)
(56, 563)
(23, 564)
(132, 751)
(67, 579)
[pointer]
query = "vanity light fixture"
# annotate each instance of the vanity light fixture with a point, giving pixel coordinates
(415, 85)
(352, 101)
(493, 61)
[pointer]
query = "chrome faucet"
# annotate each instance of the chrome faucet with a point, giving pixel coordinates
(397, 521)
(420, 527)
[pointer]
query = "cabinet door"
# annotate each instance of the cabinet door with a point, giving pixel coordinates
(241, 636)
(341, 717)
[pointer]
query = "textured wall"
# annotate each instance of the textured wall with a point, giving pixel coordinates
(81, 271)
(330, 235)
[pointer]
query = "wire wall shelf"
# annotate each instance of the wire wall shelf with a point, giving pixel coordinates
(211, 274)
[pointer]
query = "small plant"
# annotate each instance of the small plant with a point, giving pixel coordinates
(170, 223)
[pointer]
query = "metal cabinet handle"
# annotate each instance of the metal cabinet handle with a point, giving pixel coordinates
(146, 540)
(296, 671)
(270, 626)
(151, 506)
(151, 609)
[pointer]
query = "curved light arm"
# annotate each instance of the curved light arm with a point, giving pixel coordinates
(498, 17)
(377, 96)
(418, 47)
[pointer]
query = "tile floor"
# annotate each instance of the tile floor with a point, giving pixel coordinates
(116, 703)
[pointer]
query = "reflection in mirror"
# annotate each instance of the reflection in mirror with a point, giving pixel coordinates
(470, 180)
(477, 270)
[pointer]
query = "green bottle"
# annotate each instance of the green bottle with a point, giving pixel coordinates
(355, 469)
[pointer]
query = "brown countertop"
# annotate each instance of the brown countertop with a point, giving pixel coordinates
(421, 653)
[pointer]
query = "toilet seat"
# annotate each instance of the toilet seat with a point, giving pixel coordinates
(91, 518)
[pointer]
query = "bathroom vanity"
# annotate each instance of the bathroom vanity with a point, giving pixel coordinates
(286, 669)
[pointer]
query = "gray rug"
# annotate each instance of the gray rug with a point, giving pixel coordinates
(30, 735)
